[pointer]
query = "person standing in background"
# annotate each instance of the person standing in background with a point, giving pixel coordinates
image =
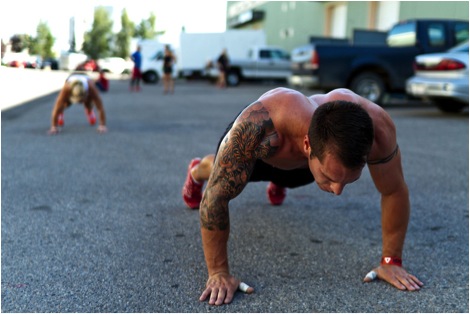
(136, 74)
(169, 60)
(222, 63)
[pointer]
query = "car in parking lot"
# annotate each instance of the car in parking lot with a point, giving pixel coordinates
(17, 64)
(89, 65)
(116, 65)
(442, 78)
(50, 63)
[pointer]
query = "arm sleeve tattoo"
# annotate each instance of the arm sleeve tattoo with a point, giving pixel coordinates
(252, 137)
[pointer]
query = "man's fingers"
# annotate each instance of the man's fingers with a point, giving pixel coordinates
(205, 294)
(102, 129)
(245, 288)
(371, 276)
(53, 131)
(409, 283)
(221, 290)
(416, 280)
(219, 297)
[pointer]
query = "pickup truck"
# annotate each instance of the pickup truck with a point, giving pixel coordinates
(374, 70)
(261, 63)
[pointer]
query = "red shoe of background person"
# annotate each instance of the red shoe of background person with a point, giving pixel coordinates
(91, 116)
(60, 120)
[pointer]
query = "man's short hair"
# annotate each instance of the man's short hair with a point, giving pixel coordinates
(343, 129)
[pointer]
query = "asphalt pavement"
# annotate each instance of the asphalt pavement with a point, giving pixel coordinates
(96, 223)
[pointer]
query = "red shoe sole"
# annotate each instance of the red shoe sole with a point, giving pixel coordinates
(190, 203)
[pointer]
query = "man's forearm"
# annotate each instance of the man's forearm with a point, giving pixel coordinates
(102, 117)
(215, 250)
(215, 230)
(54, 116)
(395, 217)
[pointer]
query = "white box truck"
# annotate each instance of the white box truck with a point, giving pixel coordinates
(196, 50)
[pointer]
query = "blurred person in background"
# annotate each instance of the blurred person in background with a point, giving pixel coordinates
(222, 64)
(136, 73)
(78, 88)
(102, 83)
(169, 60)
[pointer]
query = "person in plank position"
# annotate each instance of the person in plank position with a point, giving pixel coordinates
(291, 140)
(78, 88)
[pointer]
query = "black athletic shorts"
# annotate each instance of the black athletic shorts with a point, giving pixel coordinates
(265, 172)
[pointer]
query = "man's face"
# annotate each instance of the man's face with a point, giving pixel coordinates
(331, 176)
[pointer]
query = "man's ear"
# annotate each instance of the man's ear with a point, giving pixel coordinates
(306, 145)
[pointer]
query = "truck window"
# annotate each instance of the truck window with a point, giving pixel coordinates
(279, 54)
(461, 32)
(158, 56)
(265, 54)
(436, 35)
(402, 35)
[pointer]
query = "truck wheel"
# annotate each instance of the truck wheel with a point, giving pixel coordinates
(233, 78)
(369, 85)
(150, 77)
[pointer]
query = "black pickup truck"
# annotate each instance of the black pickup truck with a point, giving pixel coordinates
(374, 69)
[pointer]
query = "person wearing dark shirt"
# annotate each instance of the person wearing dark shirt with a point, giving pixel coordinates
(222, 63)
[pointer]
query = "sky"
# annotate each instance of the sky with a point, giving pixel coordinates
(202, 16)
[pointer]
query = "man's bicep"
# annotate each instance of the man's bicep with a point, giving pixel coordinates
(232, 167)
(228, 178)
(388, 177)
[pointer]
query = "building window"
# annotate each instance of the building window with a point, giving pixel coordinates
(284, 7)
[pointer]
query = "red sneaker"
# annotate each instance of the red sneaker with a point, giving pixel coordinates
(91, 116)
(192, 191)
(276, 194)
(60, 119)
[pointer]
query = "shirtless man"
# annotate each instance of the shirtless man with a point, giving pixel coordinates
(291, 140)
(78, 88)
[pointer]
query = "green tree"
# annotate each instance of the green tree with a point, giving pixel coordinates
(19, 42)
(97, 43)
(43, 42)
(146, 28)
(124, 36)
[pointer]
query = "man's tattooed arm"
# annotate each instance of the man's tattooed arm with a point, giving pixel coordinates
(250, 138)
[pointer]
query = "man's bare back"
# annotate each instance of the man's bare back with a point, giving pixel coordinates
(291, 112)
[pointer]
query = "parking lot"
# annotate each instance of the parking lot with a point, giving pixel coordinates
(96, 223)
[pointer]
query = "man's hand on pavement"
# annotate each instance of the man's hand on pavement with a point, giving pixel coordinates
(220, 289)
(397, 276)
(53, 130)
(102, 129)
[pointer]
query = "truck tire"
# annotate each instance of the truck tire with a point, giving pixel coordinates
(150, 77)
(369, 85)
(233, 78)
